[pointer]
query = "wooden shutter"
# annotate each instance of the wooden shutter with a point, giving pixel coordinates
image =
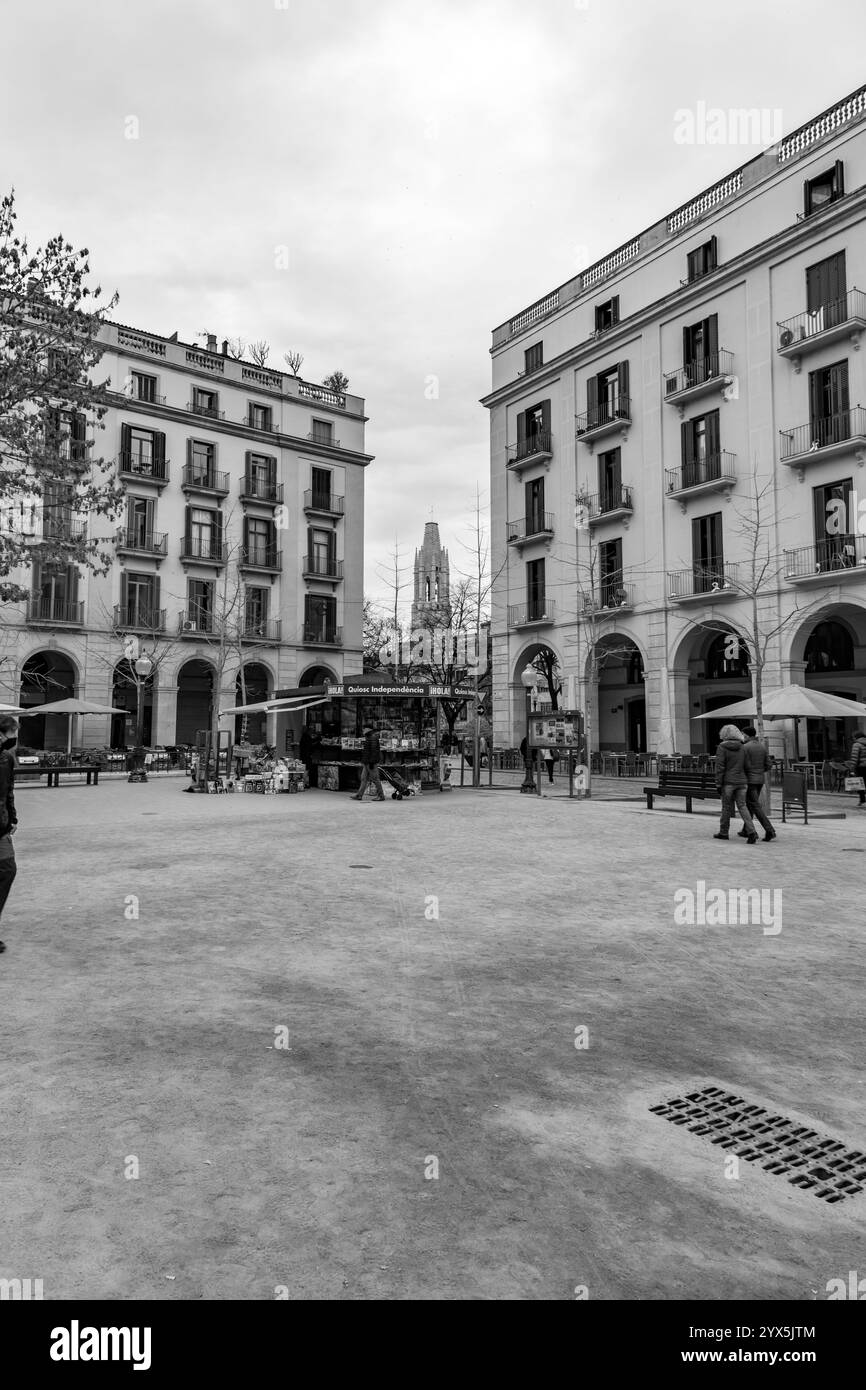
(592, 402)
(688, 350)
(692, 265)
(614, 309)
(545, 416)
(218, 532)
(272, 475)
(687, 444)
(332, 549)
(150, 516)
(838, 375)
(189, 444)
(521, 431)
(699, 556)
(125, 442)
(713, 435)
(124, 595)
(712, 256)
(711, 338)
(246, 541)
(155, 593)
(158, 452)
(622, 386)
(187, 524)
(717, 555)
(309, 547)
(839, 184)
(248, 468)
(807, 197)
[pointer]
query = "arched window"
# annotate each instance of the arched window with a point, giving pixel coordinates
(427, 590)
(727, 658)
(437, 588)
(829, 648)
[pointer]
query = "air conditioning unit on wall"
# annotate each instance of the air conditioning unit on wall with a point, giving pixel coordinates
(189, 625)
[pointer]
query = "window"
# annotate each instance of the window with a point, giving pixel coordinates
(203, 537)
(701, 454)
(609, 480)
(55, 591)
(256, 602)
(321, 481)
(701, 351)
(260, 416)
(533, 358)
(535, 595)
(834, 527)
(143, 386)
(320, 618)
(139, 600)
(66, 432)
(726, 659)
(261, 476)
(533, 430)
(607, 397)
(323, 432)
(205, 402)
(202, 460)
(607, 314)
(57, 518)
(139, 522)
(613, 594)
(200, 603)
(322, 551)
(702, 260)
(142, 451)
(259, 540)
(534, 493)
(830, 648)
(823, 189)
(708, 561)
(826, 294)
(829, 416)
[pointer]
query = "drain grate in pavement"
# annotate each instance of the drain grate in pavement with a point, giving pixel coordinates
(806, 1158)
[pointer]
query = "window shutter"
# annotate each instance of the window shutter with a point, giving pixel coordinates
(246, 534)
(72, 583)
(332, 549)
(698, 556)
(622, 385)
(711, 336)
(614, 309)
(126, 440)
(716, 549)
(521, 430)
(687, 444)
(713, 435)
(807, 197)
(124, 595)
(155, 592)
(187, 532)
(687, 346)
(839, 183)
(309, 545)
(248, 467)
(218, 530)
(159, 449)
(150, 515)
(592, 401)
(712, 253)
(839, 387)
(272, 474)
(545, 416)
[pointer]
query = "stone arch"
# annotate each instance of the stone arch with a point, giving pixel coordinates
(47, 674)
(827, 651)
(703, 679)
(616, 706)
(259, 683)
(124, 696)
(317, 675)
(196, 693)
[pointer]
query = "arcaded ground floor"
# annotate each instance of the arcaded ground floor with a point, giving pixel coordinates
(410, 1049)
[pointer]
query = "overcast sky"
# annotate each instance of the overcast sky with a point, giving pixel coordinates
(431, 167)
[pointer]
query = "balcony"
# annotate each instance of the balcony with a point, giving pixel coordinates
(320, 567)
(323, 503)
(323, 636)
(202, 551)
(844, 433)
(253, 489)
(613, 596)
(154, 543)
(531, 528)
(260, 557)
(699, 378)
(265, 630)
(55, 611)
(715, 473)
(604, 418)
(703, 583)
(137, 617)
(63, 529)
(536, 448)
(814, 329)
(207, 480)
(538, 610)
(838, 558)
(195, 623)
(612, 504)
(266, 426)
(209, 411)
(142, 469)
(326, 440)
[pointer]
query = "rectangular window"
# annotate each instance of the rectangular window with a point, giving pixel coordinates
(260, 416)
(607, 314)
(139, 522)
(261, 476)
(205, 402)
(258, 542)
(321, 480)
(610, 573)
(535, 593)
(702, 260)
(824, 189)
(256, 610)
(701, 351)
(143, 386)
(67, 432)
(320, 618)
(829, 412)
(55, 590)
(533, 430)
(142, 451)
(200, 603)
(708, 561)
(826, 294)
(139, 606)
(610, 480)
(701, 452)
(533, 358)
(202, 460)
(835, 528)
(607, 396)
(534, 494)
(203, 533)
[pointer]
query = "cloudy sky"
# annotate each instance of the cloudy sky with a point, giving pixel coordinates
(432, 166)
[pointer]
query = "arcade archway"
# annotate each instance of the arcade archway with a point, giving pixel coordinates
(251, 690)
(46, 676)
(195, 696)
(124, 696)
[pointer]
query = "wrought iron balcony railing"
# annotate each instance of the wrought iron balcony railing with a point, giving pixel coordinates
(322, 567)
(196, 479)
(261, 630)
(315, 636)
(701, 371)
(325, 502)
(795, 333)
(42, 609)
(211, 411)
(842, 555)
(539, 524)
(195, 622)
(63, 528)
(539, 444)
(604, 415)
(138, 617)
(612, 594)
(710, 581)
(824, 433)
(260, 557)
(254, 489)
(610, 499)
(208, 549)
(537, 610)
(715, 468)
(140, 466)
(144, 542)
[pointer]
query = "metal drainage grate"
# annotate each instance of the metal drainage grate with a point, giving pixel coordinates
(806, 1158)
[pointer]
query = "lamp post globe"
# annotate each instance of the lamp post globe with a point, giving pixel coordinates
(143, 668)
(529, 680)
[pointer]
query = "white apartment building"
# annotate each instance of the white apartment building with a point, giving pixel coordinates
(244, 512)
(646, 412)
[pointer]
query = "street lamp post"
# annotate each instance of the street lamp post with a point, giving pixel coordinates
(143, 668)
(529, 680)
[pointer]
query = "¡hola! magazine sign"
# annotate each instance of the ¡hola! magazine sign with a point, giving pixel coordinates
(418, 690)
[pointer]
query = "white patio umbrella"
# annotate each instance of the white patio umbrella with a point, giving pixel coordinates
(71, 708)
(791, 702)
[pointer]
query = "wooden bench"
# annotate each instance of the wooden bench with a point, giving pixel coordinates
(82, 771)
(700, 786)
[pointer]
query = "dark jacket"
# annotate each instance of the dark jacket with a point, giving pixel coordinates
(372, 754)
(858, 753)
(8, 814)
(731, 764)
(757, 761)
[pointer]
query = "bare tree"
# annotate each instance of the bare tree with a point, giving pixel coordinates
(294, 361)
(237, 348)
(481, 581)
(394, 578)
(377, 636)
(259, 352)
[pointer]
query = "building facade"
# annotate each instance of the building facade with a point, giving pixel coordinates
(677, 446)
(241, 545)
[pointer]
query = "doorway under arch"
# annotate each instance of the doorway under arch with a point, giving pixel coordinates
(124, 695)
(195, 694)
(253, 689)
(46, 676)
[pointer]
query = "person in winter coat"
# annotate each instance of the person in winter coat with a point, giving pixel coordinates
(858, 760)
(757, 761)
(8, 814)
(732, 781)
(370, 758)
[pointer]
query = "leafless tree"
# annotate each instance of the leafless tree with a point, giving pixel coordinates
(237, 348)
(294, 361)
(259, 352)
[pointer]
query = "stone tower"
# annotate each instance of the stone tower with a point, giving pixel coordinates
(431, 606)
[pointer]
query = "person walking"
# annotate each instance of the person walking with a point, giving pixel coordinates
(732, 782)
(370, 759)
(8, 814)
(547, 758)
(757, 761)
(858, 762)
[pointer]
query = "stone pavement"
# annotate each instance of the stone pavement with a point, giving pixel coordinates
(434, 1126)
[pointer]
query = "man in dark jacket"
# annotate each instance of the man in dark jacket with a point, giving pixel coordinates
(732, 782)
(8, 814)
(757, 761)
(858, 761)
(370, 758)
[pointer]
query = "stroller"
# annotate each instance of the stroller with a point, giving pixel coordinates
(393, 778)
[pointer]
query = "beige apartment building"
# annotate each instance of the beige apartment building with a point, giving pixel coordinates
(701, 386)
(242, 542)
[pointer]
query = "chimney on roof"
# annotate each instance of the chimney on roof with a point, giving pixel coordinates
(225, 347)
(173, 338)
(211, 342)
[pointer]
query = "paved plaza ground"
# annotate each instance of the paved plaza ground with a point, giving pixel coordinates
(417, 1044)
